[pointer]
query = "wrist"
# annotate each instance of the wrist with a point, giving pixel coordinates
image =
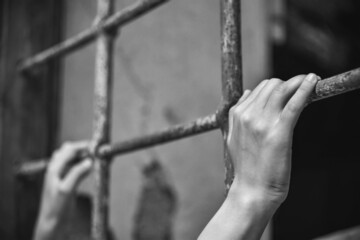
(243, 215)
(45, 229)
(255, 198)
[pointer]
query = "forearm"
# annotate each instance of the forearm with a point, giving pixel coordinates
(45, 230)
(243, 215)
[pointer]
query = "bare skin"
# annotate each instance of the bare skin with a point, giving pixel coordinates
(61, 180)
(261, 128)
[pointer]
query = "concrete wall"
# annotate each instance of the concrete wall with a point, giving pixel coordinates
(167, 71)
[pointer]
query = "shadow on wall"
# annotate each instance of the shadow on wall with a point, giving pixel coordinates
(156, 206)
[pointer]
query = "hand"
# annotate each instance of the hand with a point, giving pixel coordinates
(259, 142)
(61, 180)
(260, 135)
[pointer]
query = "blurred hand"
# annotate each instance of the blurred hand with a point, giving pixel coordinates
(63, 176)
(260, 135)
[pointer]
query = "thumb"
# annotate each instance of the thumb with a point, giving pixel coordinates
(76, 174)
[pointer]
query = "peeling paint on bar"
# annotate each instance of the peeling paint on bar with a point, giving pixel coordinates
(102, 120)
(336, 85)
(329, 87)
(170, 134)
(231, 67)
(32, 167)
(325, 88)
(115, 21)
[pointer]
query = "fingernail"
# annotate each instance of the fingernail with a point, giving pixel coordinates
(311, 78)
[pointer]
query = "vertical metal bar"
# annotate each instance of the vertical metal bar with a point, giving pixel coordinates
(231, 69)
(102, 114)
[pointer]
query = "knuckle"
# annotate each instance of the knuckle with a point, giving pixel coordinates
(247, 91)
(50, 170)
(280, 89)
(263, 82)
(292, 107)
(246, 118)
(260, 128)
(63, 189)
(275, 81)
(56, 152)
(68, 145)
(53, 158)
(238, 112)
(305, 86)
(232, 111)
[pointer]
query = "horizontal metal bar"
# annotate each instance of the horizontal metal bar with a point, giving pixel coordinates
(198, 126)
(28, 168)
(112, 23)
(325, 88)
(336, 85)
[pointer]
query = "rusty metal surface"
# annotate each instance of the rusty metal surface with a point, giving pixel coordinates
(336, 85)
(102, 118)
(231, 67)
(329, 87)
(111, 24)
(170, 134)
(32, 167)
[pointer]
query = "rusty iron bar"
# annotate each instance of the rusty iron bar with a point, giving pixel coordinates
(328, 87)
(231, 70)
(115, 21)
(173, 133)
(32, 167)
(336, 85)
(325, 88)
(102, 121)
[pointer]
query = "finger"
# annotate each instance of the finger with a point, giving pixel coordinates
(244, 102)
(77, 173)
(298, 101)
(283, 92)
(254, 94)
(245, 95)
(68, 152)
(248, 98)
(231, 112)
(266, 92)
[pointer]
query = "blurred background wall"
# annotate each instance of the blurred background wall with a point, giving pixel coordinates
(167, 71)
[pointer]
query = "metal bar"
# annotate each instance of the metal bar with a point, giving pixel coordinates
(336, 85)
(231, 67)
(111, 24)
(102, 120)
(198, 126)
(325, 88)
(32, 167)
